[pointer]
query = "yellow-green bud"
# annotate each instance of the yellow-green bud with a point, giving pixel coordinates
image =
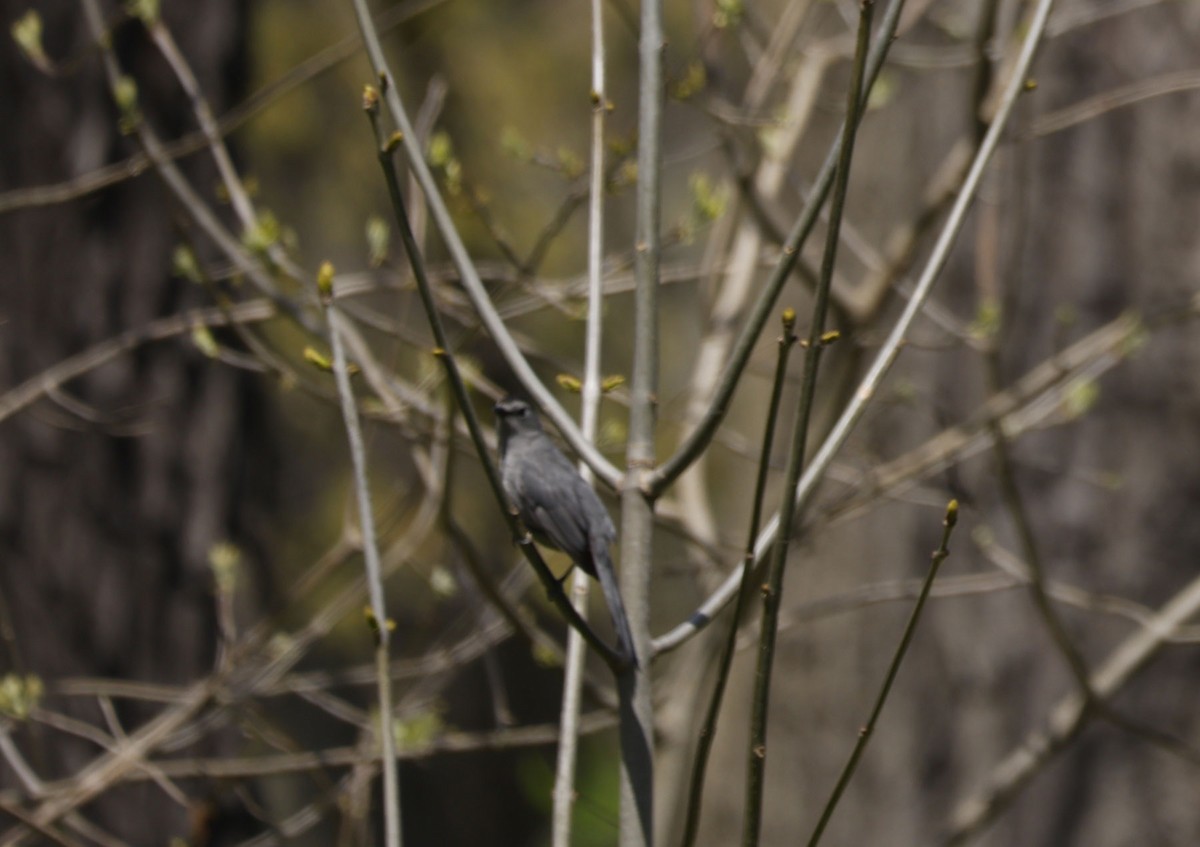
(569, 383)
(789, 320)
(370, 99)
(325, 281)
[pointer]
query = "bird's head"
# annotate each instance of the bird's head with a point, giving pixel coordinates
(513, 416)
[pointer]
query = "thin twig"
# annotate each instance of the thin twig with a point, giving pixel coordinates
(1116, 98)
(226, 767)
(95, 778)
(238, 197)
(1015, 505)
(1067, 719)
(1072, 595)
(568, 740)
(709, 728)
(374, 574)
(31, 390)
(43, 830)
(864, 734)
(772, 592)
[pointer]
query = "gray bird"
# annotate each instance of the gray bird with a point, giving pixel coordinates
(556, 505)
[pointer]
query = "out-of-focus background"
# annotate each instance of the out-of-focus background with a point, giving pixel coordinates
(179, 562)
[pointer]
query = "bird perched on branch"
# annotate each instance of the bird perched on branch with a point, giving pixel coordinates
(556, 505)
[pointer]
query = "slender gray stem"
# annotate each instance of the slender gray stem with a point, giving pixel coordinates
(864, 734)
(568, 739)
(772, 594)
(366, 520)
(708, 731)
(238, 197)
(637, 509)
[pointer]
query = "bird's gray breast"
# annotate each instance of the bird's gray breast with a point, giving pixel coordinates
(553, 500)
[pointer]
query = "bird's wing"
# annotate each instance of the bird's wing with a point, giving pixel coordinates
(558, 516)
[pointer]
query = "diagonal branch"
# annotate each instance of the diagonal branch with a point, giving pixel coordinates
(1015, 772)
(471, 282)
(890, 350)
(458, 385)
(699, 439)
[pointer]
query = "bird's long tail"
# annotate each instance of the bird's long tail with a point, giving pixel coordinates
(607, 576)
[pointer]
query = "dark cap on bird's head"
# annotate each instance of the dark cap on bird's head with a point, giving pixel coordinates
(510, 406)
(516, 413)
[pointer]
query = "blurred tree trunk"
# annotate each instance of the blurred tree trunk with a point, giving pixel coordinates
(113, 491)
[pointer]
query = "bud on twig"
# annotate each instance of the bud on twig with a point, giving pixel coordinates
(325, 282)
(789, 320)
(370, 99)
